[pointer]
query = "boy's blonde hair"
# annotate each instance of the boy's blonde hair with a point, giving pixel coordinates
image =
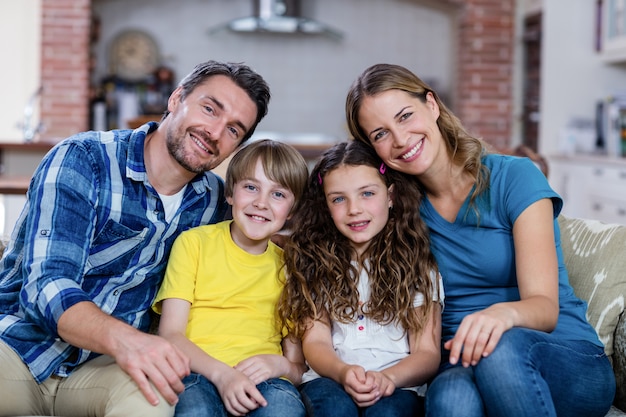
(281, 162)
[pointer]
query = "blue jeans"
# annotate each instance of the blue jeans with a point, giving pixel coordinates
(323, 397)
(530, 373)
(202, 399)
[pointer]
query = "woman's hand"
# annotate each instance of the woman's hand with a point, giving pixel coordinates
(478, 334)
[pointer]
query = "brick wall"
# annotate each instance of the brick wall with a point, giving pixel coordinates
(65, 67)
(484, 98)
(484, 86)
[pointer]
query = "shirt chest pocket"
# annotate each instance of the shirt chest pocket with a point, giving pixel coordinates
(114, 249)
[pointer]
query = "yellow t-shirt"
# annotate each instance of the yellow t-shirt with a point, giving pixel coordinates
(233, 294)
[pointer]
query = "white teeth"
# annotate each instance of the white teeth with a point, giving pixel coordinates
(358, 224)
(200, 144)
(413, 151)
(259, 218)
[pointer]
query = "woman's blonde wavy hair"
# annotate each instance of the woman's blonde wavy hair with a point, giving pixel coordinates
(464, 150)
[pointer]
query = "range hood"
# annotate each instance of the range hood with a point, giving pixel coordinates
(278, 16)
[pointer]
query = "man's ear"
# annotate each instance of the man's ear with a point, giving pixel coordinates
(391, 195)
(174, 99)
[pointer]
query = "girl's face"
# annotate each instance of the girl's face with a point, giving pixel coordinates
(403, 130)
(359, 203)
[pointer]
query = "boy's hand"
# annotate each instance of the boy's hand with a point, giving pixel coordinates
(260, 368)
(239, 393)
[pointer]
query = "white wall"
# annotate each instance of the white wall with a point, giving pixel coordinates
(573, 76)
(308, 76)
(20, 30)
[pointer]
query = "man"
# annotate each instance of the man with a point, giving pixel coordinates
(89, 250)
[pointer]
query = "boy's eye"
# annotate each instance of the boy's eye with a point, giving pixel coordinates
(279, 194)
(249, 187)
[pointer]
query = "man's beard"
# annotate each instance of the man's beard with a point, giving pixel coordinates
(176, 148)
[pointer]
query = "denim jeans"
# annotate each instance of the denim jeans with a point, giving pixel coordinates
(323, 397)
(531, 374)
(202, 399)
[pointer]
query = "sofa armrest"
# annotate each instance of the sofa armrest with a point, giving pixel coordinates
(619, 362)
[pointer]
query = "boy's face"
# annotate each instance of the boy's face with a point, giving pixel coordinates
(260, 209)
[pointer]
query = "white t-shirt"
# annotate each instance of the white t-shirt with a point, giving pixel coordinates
(369, 344)
(171, 203)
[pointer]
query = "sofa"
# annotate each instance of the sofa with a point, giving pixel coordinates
(595, 256)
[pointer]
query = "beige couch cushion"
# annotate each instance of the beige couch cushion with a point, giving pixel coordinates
(595, 256)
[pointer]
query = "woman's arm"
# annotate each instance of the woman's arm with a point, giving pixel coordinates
(538, 281)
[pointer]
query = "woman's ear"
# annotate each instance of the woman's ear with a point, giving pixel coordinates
(432, 104)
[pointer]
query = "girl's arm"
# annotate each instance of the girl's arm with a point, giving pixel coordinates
(424, 358)
(538, 281)
(238, 392)
(319, 352)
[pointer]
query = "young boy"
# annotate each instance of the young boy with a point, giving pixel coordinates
(222, 284)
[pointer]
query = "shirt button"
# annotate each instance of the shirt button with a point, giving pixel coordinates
(116, 292)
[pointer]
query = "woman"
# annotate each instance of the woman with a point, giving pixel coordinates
(515, 338)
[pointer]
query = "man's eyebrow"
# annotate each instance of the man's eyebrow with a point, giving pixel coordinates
(221, 107)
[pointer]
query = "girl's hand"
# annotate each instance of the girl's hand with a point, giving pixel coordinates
(260, 368)
(385, 385)
(361, 387)
(478, 334)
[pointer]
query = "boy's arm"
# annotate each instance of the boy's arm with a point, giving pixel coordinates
(238, 393)
(290, 364)
(292, 350)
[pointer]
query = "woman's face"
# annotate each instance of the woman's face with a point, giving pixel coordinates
(403, 130)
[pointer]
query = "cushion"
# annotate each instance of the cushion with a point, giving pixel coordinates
(595, 257)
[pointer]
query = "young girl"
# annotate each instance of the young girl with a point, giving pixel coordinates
(361, 288)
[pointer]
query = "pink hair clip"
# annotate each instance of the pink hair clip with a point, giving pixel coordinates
(382, 169)
(319, 177)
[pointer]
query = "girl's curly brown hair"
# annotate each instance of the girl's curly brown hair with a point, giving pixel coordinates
(320, 278)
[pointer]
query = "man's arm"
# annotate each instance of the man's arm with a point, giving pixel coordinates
(146, 358)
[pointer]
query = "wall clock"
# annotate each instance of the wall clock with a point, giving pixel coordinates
(134, 55)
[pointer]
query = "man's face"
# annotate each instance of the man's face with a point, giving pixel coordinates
(205, 127)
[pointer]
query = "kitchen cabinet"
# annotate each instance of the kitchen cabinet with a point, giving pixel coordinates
(591, 187)
(612, 30)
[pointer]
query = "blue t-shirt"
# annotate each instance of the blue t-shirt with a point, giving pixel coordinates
(476, 256)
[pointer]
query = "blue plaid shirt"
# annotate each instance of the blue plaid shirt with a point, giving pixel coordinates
(93, 229)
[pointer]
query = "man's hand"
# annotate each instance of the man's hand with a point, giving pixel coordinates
(152, 359)
(145, 357)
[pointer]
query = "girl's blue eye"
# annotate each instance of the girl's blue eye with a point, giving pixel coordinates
(337, 200)
(368, 193)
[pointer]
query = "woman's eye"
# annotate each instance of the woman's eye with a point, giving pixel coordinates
(379, 135)
(405, 116)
